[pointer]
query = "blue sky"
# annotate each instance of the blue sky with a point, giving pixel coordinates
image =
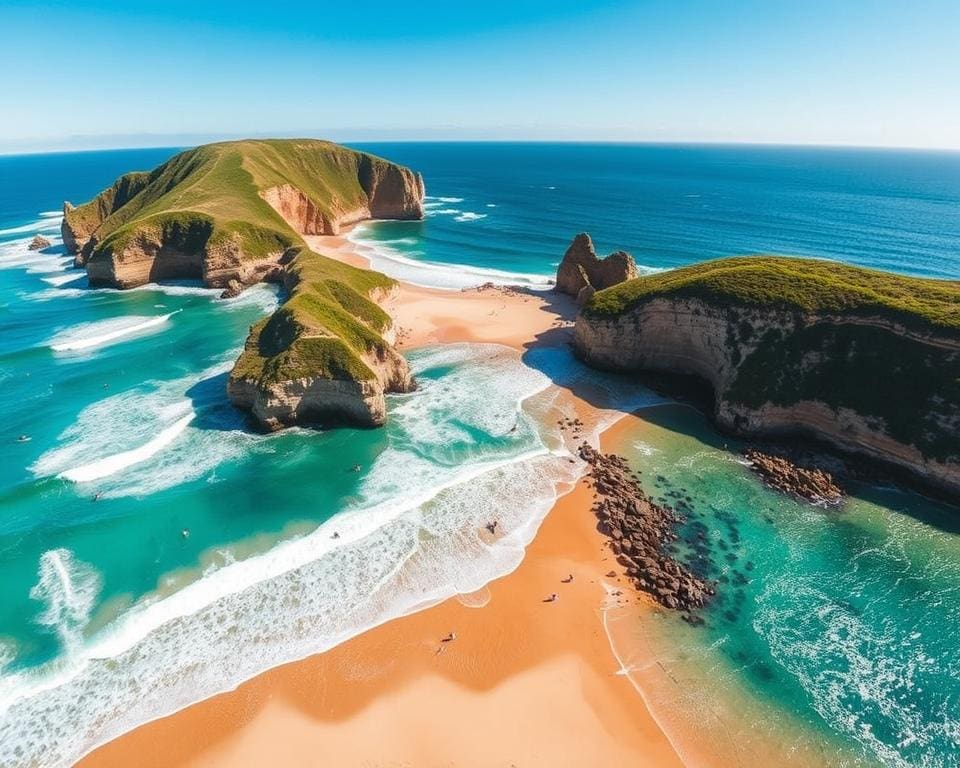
(96, 74)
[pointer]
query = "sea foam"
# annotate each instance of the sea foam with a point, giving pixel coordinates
(415, 535)
(103, 332)
(454, 277)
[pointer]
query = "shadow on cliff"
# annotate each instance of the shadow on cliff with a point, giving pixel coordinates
(875, 484)
(551, 353)
(212, 408)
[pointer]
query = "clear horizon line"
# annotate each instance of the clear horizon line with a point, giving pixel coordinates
(620, 142)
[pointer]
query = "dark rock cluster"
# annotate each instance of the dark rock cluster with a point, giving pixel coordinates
(581, 273)
(640, 533)
(783, 473)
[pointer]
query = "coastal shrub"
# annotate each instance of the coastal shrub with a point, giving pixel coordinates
(806, 285)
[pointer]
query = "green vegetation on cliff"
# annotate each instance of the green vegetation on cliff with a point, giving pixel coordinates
(805, 285)
(236, 213)
(883, 346)
(221, 185)
(323, 328)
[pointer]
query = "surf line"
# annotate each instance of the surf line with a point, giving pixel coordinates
(113, 464)
(96, 341)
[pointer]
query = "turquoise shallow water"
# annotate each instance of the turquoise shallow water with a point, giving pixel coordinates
(151, 544)
(839, 625)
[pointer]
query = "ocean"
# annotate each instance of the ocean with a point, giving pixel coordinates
(155, 551)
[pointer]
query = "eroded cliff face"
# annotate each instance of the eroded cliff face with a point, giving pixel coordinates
(155, 254)
(81, 222)
(390, 192)
(195, 249)
(294, 371)
(273, 381)
(283, 400)
(866, 385)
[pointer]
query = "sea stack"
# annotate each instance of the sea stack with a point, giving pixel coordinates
(581, 272)
(866, 361)
(38, 243)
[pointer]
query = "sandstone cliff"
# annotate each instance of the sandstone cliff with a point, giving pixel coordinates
(225, 213)
(233, 214)
(390, 192)
(80, 223)
(867, 362)
(581, 272)
(296, 369)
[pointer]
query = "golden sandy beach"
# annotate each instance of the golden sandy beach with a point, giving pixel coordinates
(523, 683)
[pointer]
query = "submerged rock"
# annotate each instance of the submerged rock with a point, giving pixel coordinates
(640, 532)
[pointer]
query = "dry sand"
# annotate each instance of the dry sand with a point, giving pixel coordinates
(524, 683)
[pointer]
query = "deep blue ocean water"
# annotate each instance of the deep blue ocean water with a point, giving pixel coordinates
(132, 444)
(673, 205)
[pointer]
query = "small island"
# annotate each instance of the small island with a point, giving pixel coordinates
(234, 214)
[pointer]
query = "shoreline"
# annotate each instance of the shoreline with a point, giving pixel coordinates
(515, 659)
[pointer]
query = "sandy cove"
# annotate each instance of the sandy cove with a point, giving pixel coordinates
(525, 682)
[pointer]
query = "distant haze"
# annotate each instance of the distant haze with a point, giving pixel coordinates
(110, 74)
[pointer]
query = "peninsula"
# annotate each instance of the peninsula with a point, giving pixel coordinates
(866, 361)
(235, 213)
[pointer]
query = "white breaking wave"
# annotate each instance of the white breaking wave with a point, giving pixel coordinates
(113, 464)
(68, 277)
(44, 225)
(148, 438)
(433, 275)
(258, 294)
(51, 214)
(103, 332)
(415, 535)
(69, 589)
(468, 216)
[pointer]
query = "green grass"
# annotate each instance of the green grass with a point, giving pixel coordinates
(807, 285)
(210, 197)
(222, 183)
(323, 328)
(900, 385)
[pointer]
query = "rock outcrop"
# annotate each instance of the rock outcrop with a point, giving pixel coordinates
(581, 272)
(641, 533)
(782, 473)
(38, 243)
(864, 361)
